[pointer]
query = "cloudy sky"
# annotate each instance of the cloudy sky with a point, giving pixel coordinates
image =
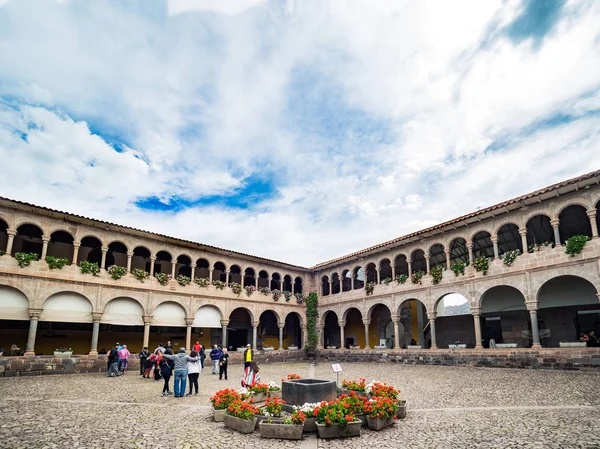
(294, 130)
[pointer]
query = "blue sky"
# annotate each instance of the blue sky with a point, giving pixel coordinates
(294, 130)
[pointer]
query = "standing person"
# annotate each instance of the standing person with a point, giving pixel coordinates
(113, 362)
(119, 349)
(248, 356)
(251, 377)
(149, 363)
(196, 347)
(169, 345)
(181, 360)
(166, 370)
(157, 359)
(215, 355)
(143, 356)
(124, 358)
(592, 339)
(223, 362)
(160, 348)
(202, 356)
(193, 372)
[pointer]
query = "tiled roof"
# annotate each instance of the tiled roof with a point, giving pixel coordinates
(480, 212)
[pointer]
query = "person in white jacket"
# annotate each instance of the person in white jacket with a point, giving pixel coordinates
(193, 372)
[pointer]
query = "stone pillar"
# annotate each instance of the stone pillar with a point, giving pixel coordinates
(129, 258)
(294, 286)
(224, 324)
(555, 224)
(152, 260)
(366, 323)
(342, 324)
(173, 266)
(476, 312)
(331, 286)
(592, 215)
(34, 317)
(409, 262)
(396, 321)
(535, 332)
(254, 334)
(193, 271)
(76, 246)
(321, 344)
(210, 274)
(303, 335)
(447, 253)
(97, 316)
(281, 326)
(104, 250)
(427, 264)
(523, 233)
(227, 276)
(470, 248)
(393, 271)
(188, 334)
(495, 242)
(432, 330)
(45, 241)
(11, 238)
(147, 320)
(256, 281)
(378, 275)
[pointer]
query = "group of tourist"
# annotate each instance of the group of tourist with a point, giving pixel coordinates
(163, 364)
(590, 339)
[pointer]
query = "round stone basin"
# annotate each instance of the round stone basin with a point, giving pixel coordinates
(299, 391)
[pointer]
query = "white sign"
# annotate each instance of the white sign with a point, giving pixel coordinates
(336, 368)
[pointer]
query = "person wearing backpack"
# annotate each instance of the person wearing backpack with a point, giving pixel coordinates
(166, 370)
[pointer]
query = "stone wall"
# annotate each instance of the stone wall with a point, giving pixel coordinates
(41, 365)
(567, 358)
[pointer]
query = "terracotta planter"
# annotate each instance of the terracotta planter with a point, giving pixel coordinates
(401, 409)
(241, 425)
(310, 425)
(362, 418)
(219, 415)
(281, 431)
(352, 429)
(379, 423)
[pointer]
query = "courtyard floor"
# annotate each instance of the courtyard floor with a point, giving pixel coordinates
(448, 407)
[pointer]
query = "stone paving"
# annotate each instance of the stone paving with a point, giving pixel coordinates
(448, 407)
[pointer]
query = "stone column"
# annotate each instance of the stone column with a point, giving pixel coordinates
(366, 323)
(321, 344)
(535, 332)
(555, 224)
(76, 246)
(294, 287)
(378, 275)
(224, 324)
(523, 233)
(331, 286)
(303, 335)
(396, 321)
(281, 326)
(409, 262)
(255, 334)
(227, 276)
(152, 260)
(470, 248)
(104, 250)
(34, 317)
(393, 271)
(342, 324)
(11, 238)
(193, 271)
(188, 334)
(45, 241)
(427, 264)
(592, 215)
(476, 312)
(129, 258)
(97, 316)
(256, 281)
(447, 253)
(210, 274)
(495, 243)
(147, 320)
(173, 266)
(432, 330)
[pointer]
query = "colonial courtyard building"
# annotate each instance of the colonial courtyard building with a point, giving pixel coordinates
(389, 296)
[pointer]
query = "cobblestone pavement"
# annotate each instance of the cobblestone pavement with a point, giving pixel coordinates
(448, 407)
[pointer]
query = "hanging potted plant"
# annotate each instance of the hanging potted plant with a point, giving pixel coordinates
(381, 413)
(25, 259)
(510, 257)
(369, 288)
(482, 264)
(202, 282)
(401, 279)
(288, 429)
(56, 262)
(90, 267)
(416, 277)
(458, 267)
(437, 273)
(117, 272)
(241, 416)
(335, 421)
(183, 280)
(237, 288)
(162, 278)
(140, 274)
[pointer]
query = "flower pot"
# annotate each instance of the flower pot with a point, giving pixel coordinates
(275, 394)
(572, 344)
(401, 409)
(280, 430)
(63, 354)
(241, 425)
(261, 418)
(259, 397)
(352, 429)
(310, 424)
(379, 423)
(362, 418)
(218, 415)
(292, 348)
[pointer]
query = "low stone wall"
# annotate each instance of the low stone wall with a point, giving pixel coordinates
(550, 358)
(567, 358)
(47, 364)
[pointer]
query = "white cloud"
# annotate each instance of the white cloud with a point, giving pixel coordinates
(372, 119)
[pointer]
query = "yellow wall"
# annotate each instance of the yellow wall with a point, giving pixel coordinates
(355, 328)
